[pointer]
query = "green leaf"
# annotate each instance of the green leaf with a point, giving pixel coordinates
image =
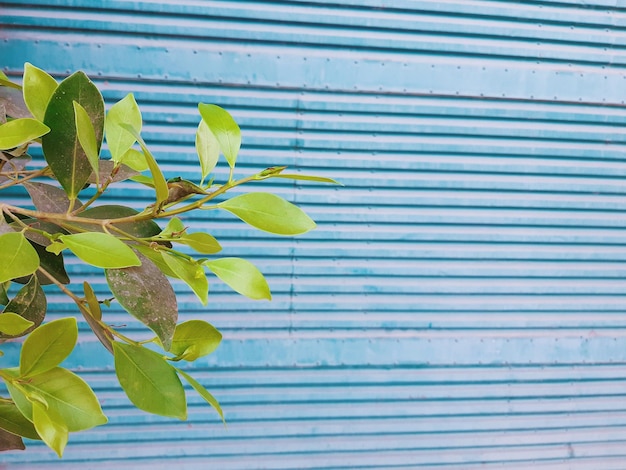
(4, 298)
(208, 149)
(92, 301)
(173, 229)
(190, 272)
(149, 381)
(242, 276)
(13, 324)
(47, 346)
(319, 179)
(70, 400)
(101, 250)
(48, 198)
(61, 146)
(148, 296)
(29, 303)
(194, 339)
(224, 128)
(204, 393)
(155, 256)
(135, 159)
(269, 213)
(140, 229)
(51, 262)
(201, 242)
(38, 89)
(119, 140)
(160, 185)
(21, 131)
(4, 81)
(17, 256)
(52, 432)
(13, 421)
(87, 137)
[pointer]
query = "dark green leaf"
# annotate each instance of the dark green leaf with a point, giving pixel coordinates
(61, 146)
(224, 128)
(30, 303)
(70, 400)
(194, 339)
(101, 250)
(17, 256)
(38, 89)
(13, 421)
(242, 276)
(21, 131)
(47, 346)
(149, 381)
(147, 295)
(269, 213)
(190, 272)
(204, 393)
(51, 262)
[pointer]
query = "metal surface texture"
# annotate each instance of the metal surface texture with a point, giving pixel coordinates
(461, 304)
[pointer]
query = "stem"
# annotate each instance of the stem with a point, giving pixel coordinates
(36, 174)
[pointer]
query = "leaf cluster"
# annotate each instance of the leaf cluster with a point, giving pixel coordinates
(86, 150)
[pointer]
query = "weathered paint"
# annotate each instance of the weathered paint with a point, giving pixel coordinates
(462, 302)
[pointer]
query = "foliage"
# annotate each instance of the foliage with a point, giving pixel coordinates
(138, 255)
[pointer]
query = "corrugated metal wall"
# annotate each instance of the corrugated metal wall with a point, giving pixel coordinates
(462, 304)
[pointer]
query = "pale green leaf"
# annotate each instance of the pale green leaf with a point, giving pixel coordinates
(242, 276)
(190, 272)
(101, 250)
(92, 301)
(208, 149)
(160, 184)
(54, 433)
(269, 213)
(135, 160)
(156, 257)
(194, 339)
(126, 111)
(68, 397)
(17, 256)
(204, 393)
(224, 128)
(37, 89)
(318, 179)
(173, 229)
(147, 295)
(47, 346)
(149, 381)
(201, 242)
(87, 137)
(21, 131)
(13, 324)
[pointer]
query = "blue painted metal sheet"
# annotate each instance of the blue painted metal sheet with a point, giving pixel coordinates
(461, 304)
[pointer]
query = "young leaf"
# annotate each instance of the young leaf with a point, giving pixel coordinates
(29, 303)
(201, 242)
(70, 400)
(87, 137)
(149, 381)
(13, 421)
(190, 272)
(47, 198)
(173, 229)
(208, 149)
(135, 160)
(47, 346)
(21, 131)
(319, 179)
(148, 296)
(61, 146)
(242, 276)
(224, 128)
(204, 393)
(52, 432)
(120, 141)
(101, 250)
(269, 213)
(38, 89)
(13, 324)
(160, 185)
(194, 339)
(17, 256)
